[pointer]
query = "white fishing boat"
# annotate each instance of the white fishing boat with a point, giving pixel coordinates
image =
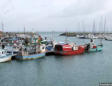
(4, 57)
(12, 50)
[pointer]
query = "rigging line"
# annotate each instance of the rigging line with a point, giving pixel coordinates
(100, 24)
(104, 24)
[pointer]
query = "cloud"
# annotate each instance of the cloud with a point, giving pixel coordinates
(52, 14)
(83, 8)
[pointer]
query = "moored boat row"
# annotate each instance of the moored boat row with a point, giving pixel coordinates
(34, 48)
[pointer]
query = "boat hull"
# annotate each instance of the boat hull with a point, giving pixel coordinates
(30, 57)
(108, 39)
(48, 53)
(49, 50)
(97, 49)
(5, 59)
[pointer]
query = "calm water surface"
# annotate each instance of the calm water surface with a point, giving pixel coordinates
(82, 70)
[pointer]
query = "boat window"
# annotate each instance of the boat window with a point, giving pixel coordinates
(42, 47)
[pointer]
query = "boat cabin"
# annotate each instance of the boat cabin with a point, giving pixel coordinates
(30, 50)
(65, 47)
(3, 52)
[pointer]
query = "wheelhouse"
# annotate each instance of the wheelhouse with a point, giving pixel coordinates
(64, 47)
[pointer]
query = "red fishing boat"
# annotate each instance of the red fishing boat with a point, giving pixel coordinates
(68, 49)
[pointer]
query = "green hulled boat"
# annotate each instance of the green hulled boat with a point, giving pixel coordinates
(95, 49)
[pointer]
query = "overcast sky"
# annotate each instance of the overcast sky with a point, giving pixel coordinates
(55, 15)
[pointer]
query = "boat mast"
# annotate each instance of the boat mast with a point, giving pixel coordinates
(2, 28)
(93, 28)
(103, 32)
(84, 31)
(24, 30)
(104, 27)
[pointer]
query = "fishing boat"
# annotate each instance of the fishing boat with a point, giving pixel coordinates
(92, 47)
(30, 57)
(11, 50)
(96, 48)
(68, 49)
(4, 57)
(32, 52)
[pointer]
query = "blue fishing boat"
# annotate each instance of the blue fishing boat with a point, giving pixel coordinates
(31, 52)
(50, 47)
(96, 48)
(30, 57)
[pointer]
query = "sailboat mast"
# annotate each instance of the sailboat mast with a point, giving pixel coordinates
(104, 26)
(2, 27)
(100, 32)
(24, 30)
(93, 32)
(93, 27)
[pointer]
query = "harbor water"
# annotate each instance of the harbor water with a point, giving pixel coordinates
(88, 69)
